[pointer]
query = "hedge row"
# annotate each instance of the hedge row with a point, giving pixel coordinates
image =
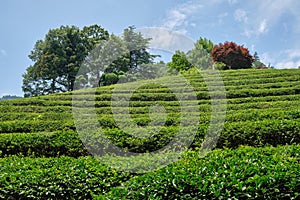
(18, 109)
(249, 72)
(56, 178)
(234, 93)
(172, 118)
(42, 144)
(29, 126)
(252, 173)
(8, 116)
(251, 133)
(155, 88)
(34, 109)
(51, 121)
(245, 173)
(141, 107)
(207, 108)
(246, 83)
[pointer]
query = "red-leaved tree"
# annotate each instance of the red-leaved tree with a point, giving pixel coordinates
(232, 55)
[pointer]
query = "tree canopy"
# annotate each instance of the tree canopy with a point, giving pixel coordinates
(232, 55)
(108, 58)
(180, 62)
(57, 58)
(198, 57)
(117, 57)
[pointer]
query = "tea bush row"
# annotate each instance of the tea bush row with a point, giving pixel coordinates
(108, 121)
(251, 133)
(51, 121)
(245, 173)
(42, 144)
(56, 178)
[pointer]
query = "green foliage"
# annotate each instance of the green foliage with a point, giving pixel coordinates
(137, 46)
(54, 144)
(9, 97)
(254, 124)
(199, 56)
(245, 173)
(57, 59)
(109, 79)
(56, 178)
(205, 44)
(116, 58)
(43, 127)
(256, 57)
(106, 57)
(180, 62)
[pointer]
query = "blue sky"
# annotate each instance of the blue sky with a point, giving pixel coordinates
(270, 27)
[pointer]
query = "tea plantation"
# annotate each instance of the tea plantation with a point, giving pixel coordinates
(256, 156)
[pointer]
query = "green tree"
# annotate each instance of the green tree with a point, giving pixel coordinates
(205, 44)
(199, 56)
(134, 60)
(137, 47)
(255, 56)
(58, 57)
(107, 57)
(9, 97)
(180, 62)
(257, 63)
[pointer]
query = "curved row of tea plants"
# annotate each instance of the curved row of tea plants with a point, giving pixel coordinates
(245, 173)
(43, 157)
(252, 173)
(255, 128)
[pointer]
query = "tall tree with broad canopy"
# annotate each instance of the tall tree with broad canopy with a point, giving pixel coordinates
(199, 56)
(133, 57)
(232, 55)
(58, 57)
(106, 58)
(137, 46)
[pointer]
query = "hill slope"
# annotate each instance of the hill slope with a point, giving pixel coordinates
(263, 108)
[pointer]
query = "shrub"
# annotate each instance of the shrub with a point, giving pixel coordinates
(245, 173)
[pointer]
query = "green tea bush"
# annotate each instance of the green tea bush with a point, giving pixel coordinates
(245, 173)
(56, 178)
(253, 130)
(55, 144)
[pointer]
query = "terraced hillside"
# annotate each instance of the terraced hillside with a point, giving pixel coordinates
(42, 155)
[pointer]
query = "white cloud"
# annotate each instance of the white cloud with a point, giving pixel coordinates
(292, 59)
(167, 40)
(178, 17)
(232, 1)
(292, 53)
(266, 58)
(3, 52)
(252, 47)
(263, 15)
(262, 27)
(288, 64)
(286, 59)
(240, 15)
